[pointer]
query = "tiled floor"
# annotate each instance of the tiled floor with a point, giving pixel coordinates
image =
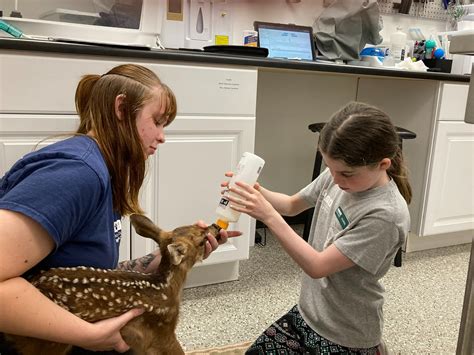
(422, 310)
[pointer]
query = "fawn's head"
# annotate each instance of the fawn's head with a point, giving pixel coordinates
(184, 245)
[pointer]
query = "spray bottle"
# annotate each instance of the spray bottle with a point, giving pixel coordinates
(248, 170)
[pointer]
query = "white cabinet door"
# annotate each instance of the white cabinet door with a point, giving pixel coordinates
(22, 134)
(183, 186)
(450, 198)
(453, 102)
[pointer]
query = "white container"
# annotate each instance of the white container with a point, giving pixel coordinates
(398, 42)
(248, 170)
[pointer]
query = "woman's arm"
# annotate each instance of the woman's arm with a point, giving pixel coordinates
(146, 264)
(26, 311)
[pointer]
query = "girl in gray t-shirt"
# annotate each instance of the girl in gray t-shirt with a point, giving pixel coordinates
(361, 219)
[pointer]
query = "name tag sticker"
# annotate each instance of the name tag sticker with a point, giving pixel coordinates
(341, 217)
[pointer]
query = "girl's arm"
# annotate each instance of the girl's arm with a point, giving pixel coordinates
(314, 263)
(255, 203)
(284, 204)
(26, 311)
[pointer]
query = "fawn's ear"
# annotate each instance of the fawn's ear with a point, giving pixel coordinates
(177, 252)
(145, 227)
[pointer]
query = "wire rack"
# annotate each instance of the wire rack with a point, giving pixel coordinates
(431, 9)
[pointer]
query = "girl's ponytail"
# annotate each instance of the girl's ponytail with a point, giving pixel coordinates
(398, 171)
(83, 94)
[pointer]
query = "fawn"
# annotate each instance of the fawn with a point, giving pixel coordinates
(96, 294)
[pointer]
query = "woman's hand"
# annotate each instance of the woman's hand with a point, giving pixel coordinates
(212, 243)
(247, 199)
(105, 334)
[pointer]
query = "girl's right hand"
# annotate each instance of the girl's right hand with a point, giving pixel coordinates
(105, 334)
(249, 199)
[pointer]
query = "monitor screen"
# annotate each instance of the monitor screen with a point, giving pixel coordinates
(286, 41)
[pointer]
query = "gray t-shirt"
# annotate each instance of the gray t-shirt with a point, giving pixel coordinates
(368, 227)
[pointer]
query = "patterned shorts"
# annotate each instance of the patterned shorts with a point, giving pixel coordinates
(292, 335)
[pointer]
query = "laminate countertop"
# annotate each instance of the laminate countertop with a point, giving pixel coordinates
(183, 56)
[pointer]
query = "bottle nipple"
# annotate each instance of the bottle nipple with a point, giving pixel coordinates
(222, 223)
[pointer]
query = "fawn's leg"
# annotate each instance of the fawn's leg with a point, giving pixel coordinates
(30, 346)
(168, 346)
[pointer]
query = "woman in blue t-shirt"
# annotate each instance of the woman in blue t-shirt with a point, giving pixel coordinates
(62, 205)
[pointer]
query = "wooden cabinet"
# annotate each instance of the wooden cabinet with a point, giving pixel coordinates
(214, 126)
(449, 205)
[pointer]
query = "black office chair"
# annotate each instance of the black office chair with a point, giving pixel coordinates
(318, 159)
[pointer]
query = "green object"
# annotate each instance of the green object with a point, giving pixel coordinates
(430, 43)
(341, 217)
(15, 32)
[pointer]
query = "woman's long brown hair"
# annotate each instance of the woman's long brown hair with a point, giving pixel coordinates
(118, 139)
(363, 135)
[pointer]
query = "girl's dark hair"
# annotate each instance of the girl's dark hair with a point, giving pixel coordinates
(118, 139)
(363, 135)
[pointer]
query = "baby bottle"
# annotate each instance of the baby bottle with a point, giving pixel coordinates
(248, 170)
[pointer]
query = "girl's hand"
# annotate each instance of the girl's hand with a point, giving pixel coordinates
(225, 184)
(212, 243)
(249, 200)
(106, 333)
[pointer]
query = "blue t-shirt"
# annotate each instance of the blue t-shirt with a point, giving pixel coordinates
(66, 188)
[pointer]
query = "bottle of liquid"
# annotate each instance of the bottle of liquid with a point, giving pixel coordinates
(398, 45)
(248, 170)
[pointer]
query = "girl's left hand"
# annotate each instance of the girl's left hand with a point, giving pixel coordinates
(212, 243)
(250, 201)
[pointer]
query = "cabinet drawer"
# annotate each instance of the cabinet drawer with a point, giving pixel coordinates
(453, 102)
(38, 84)
(211, 90)
(47, 84)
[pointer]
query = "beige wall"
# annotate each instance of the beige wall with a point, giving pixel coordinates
(287, 102)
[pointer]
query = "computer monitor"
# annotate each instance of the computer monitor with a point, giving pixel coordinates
(286, 40)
